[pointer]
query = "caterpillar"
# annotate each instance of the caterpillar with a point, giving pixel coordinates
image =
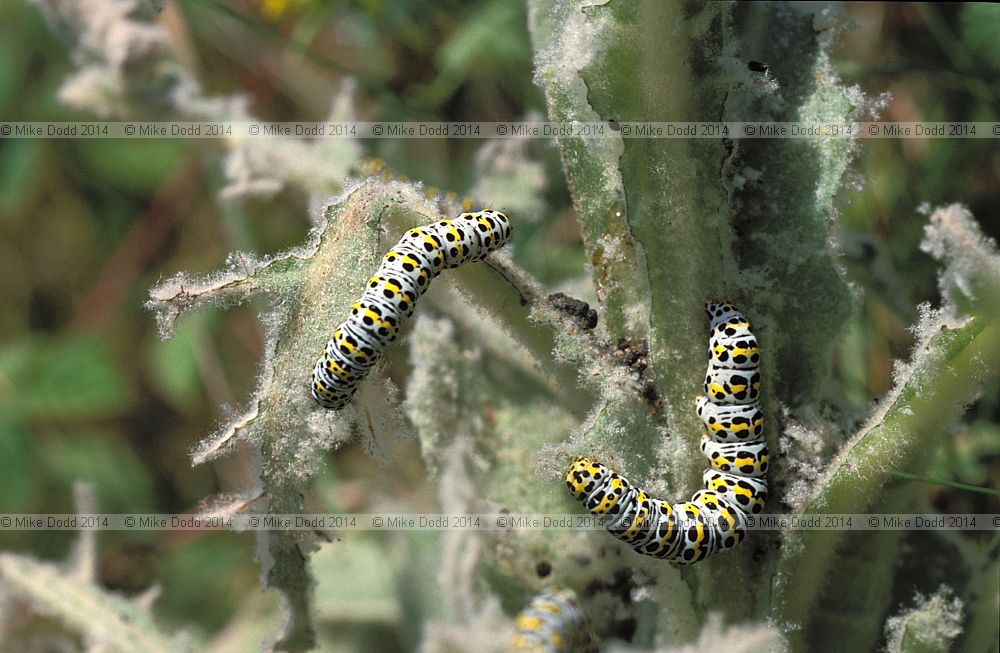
(553, 622)
(714, 519)
(390, 296)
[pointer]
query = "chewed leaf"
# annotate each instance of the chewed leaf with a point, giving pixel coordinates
(951, 360)
(310, 288)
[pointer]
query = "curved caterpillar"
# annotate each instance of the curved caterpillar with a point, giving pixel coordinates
(553, 622)
(715, 518)
(391, 294)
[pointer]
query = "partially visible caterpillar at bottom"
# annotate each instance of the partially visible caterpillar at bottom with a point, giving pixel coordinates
(553, 622)
(391, 295)
(715, 518)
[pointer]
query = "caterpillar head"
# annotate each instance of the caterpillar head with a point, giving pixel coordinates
(583, 476)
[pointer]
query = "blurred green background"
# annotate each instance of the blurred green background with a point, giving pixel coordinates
(89, 392)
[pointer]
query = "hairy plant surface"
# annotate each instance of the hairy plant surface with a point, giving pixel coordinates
(503, 385)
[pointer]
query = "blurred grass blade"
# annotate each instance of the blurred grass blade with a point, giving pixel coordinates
(944, 483)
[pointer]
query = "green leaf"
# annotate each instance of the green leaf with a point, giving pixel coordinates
(136, 166)
(71, 378)
(931, 397)
(20, 168)
(18, 473)
(980, 27)
(209, 597)
(174, 363)
(354, 582)
(122, 480)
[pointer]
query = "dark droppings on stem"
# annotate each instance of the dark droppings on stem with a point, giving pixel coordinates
(579, 310)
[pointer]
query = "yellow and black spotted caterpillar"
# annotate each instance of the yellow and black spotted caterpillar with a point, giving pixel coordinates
(715, 518)
(553, 622)
(391, 294)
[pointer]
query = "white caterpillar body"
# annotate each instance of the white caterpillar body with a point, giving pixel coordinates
(391, 295)
(733, 486)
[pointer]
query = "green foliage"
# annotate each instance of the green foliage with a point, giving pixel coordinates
(979, 24)
(20, 485)
(491, 389)
(175, 363)
(39, 371)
